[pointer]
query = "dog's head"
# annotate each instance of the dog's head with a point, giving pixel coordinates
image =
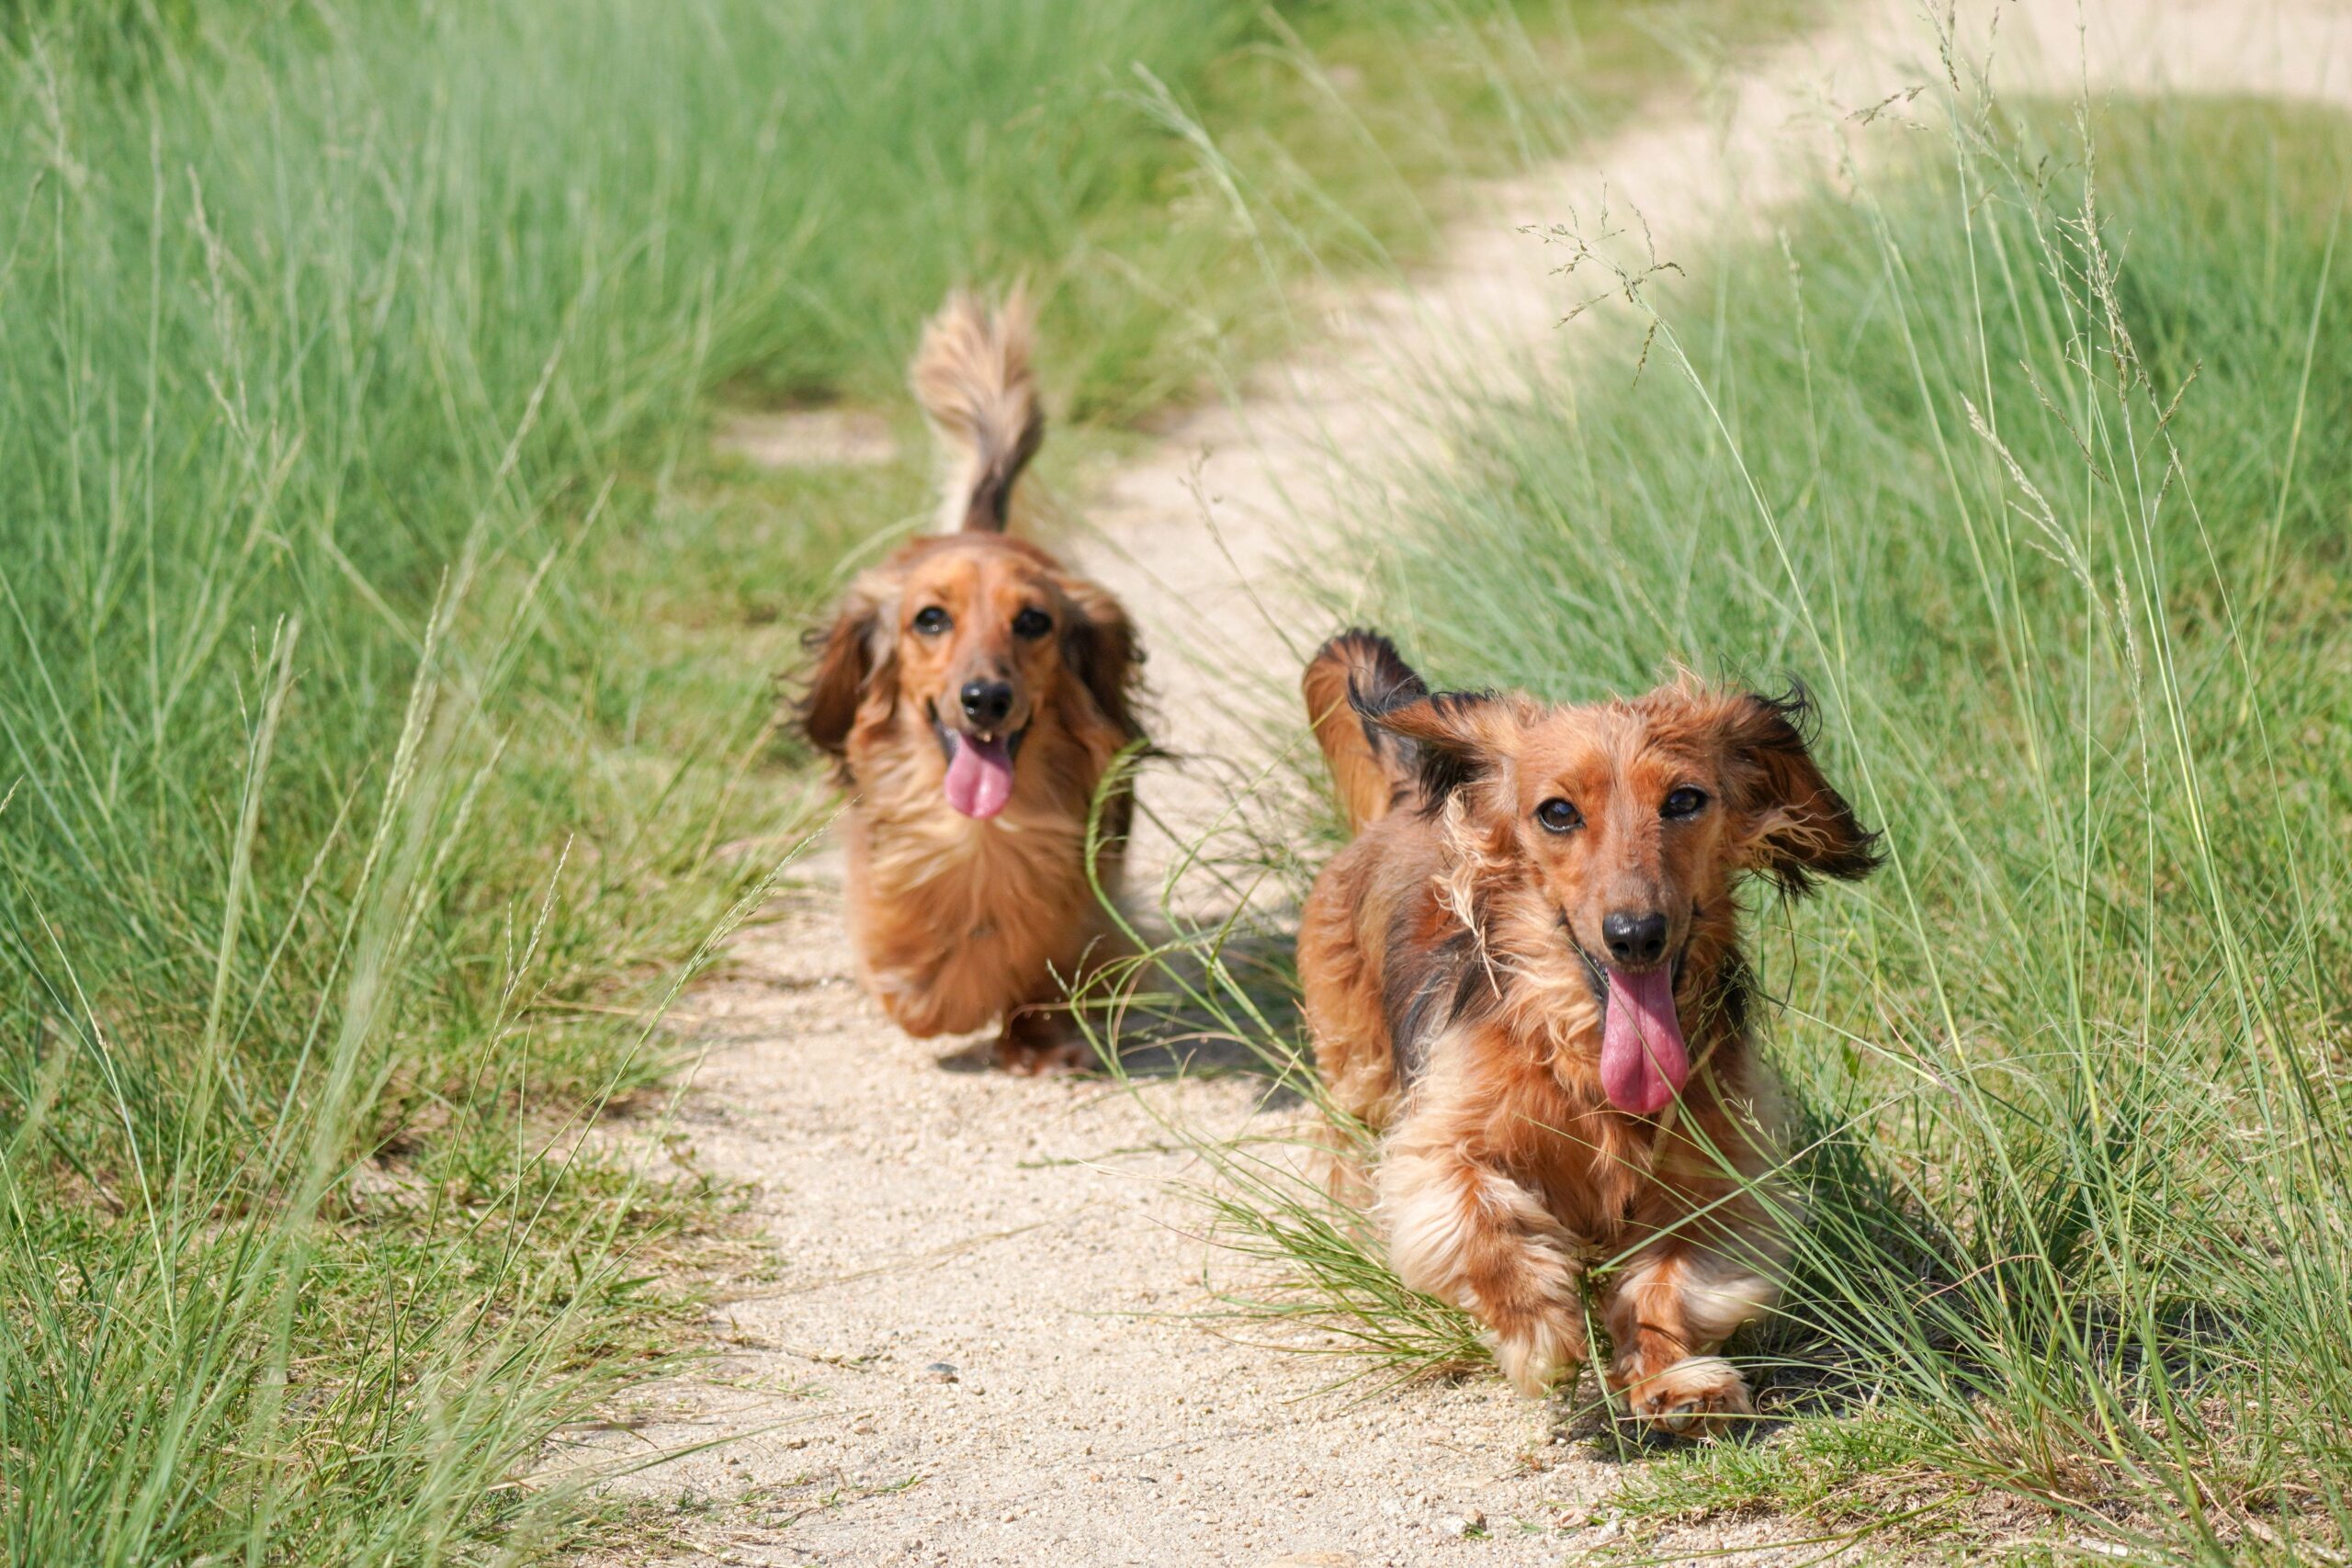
(1630, 823)
(978, 637)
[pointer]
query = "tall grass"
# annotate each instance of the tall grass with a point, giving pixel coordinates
(329, 340)
(383, 678)
(2032, 464)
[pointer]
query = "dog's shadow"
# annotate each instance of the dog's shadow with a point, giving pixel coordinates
(1185, 1011)
(1192, 1010)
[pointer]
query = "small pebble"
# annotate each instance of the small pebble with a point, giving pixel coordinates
(863, 1426)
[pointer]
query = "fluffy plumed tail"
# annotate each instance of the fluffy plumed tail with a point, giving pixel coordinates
(1371, 770)
(972, 377)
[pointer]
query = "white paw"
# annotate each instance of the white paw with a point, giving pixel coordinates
(1535, 1358)
(1699, 1396)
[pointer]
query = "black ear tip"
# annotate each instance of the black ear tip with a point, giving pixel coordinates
(1832, 841)
(1379, 681)
(1793, 706)
(1106, 656)
(1852, 854)
(1864, 854)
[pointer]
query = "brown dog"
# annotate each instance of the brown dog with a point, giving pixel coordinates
(1526, 969)
(975, 693)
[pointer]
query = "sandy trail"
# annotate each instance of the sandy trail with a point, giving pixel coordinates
(925, 1213)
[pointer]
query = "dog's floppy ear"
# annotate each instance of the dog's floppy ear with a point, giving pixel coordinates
(1797, 825)
(1103, 650)
(851, 657)
(1456, 737)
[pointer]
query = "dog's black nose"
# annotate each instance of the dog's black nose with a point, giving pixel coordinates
(987, 702)
(1634, 939)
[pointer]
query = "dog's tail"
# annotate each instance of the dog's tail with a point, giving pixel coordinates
(1356, 673)
(972, 377)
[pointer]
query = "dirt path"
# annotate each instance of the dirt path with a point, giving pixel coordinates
(982, 1344)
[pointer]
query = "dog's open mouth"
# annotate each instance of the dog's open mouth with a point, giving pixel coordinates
(979, 769)
(1645, 1061)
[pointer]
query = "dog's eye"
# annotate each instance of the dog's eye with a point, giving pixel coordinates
(1684, 802)
(1558, 816)
(1032, 624)
(931, 620)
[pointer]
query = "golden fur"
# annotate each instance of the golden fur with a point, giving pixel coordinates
(1455, 1005)
(962, 921)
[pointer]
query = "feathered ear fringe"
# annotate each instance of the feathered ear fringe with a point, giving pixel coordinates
(1803, 827)
(849, 658)
(1104, 652)
(1477, 856)
(1457, 736)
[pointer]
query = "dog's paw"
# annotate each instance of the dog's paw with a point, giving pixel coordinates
(1699, 1396)
(1030, 1059)
(1037, 1043)
(1537, 1356)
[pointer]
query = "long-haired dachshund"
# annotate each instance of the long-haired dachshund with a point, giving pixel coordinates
(1526, 969)
(974, 693)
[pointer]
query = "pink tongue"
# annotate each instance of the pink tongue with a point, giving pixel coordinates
(1643, 1059)
(979, 776)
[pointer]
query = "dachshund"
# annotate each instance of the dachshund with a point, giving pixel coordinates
(1524, 971)
(974, 694)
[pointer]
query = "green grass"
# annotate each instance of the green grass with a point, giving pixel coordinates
(385, 668)
(2032, 464)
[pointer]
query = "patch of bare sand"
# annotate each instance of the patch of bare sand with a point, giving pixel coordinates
(984, 1342)
(807, 438)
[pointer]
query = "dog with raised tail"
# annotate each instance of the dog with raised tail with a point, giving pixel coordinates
(1525, 972)
(974, 693)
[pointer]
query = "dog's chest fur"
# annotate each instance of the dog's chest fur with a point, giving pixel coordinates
(1500, 1048)
(1539, 1114)
(957, 918)
(963, 872)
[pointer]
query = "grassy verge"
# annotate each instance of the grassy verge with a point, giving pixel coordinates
(2031, 464)
(384, 669)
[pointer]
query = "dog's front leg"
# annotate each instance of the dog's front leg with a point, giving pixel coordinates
(1668, 1310)
(1041, 1041)
(1467, 1234)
